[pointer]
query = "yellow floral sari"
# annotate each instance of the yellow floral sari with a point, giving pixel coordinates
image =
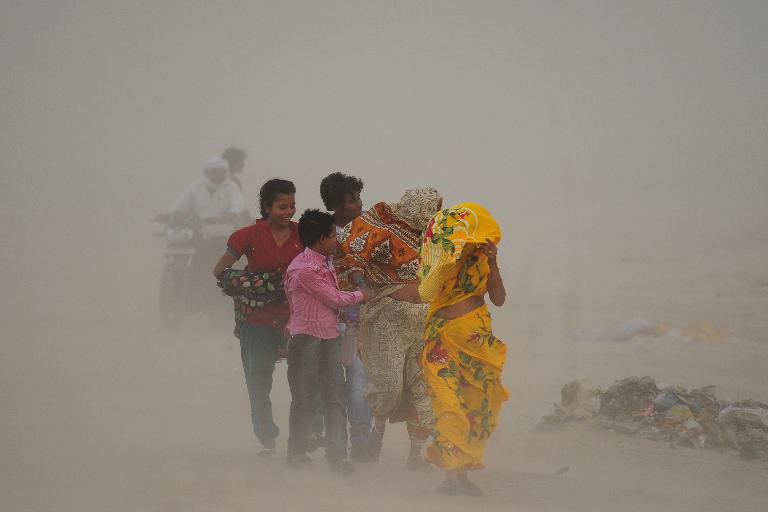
(462, 359)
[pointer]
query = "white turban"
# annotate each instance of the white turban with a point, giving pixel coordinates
(216, 162)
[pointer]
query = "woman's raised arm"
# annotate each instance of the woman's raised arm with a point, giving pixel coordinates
(496, 291)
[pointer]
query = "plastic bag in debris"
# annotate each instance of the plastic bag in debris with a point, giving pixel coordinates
(678, 415)
(579, 399)
(749, 414)
(692, 426)
(665, 400)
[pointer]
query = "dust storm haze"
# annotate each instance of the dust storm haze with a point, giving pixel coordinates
(621, 146)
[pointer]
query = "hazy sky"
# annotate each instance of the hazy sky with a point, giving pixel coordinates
(568, 119)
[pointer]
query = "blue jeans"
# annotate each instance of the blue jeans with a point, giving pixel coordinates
(258, 350)
(358, 411)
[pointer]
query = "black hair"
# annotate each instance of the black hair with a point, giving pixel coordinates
(313, 224)
(336, 186)
(269, 191)
(233, 155)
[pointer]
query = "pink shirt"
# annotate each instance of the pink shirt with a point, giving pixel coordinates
(314, 296)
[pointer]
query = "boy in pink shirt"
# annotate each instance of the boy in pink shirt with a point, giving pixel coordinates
(314, 352)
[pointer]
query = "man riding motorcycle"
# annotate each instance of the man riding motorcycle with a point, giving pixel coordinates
(218, 204)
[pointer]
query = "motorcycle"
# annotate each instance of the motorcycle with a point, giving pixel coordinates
(181, 240)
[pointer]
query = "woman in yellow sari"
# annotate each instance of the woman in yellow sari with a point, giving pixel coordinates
(462, 359)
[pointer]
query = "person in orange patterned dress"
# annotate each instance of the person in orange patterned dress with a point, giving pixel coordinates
(380, 247)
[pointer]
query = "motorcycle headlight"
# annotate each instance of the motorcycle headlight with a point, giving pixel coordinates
(178, 235)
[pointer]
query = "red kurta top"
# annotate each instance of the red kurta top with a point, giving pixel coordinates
(256, 243)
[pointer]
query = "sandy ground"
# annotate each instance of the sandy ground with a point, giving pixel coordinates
(621, 145)
(125, 416)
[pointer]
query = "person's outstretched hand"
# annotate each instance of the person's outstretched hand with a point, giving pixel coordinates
(367, 292)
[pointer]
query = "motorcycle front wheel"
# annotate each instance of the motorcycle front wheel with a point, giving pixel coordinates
(172, 300)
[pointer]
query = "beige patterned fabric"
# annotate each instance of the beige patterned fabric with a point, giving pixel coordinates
(383, 243)
(390, 343)
(417, 206)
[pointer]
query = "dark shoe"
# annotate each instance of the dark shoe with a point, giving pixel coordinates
(341, 467)
(374, 447)
(449, 487)
(468, 488)
(418, 463)
(299, 460)
(361, 452)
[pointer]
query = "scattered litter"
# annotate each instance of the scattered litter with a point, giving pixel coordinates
(636, 406)
(648, 329)
(706, 331)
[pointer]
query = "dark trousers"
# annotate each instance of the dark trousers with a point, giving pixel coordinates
(314, 366)
(258, 350)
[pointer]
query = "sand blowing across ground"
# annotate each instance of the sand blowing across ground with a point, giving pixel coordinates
(126, 416)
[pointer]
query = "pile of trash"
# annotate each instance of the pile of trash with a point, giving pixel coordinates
(696, 417)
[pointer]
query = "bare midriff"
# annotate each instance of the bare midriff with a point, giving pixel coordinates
(460, 308)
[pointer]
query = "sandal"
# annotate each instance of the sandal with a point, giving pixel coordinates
(449, 487)
(467, 487)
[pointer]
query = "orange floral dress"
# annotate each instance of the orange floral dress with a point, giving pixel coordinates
(383, 244)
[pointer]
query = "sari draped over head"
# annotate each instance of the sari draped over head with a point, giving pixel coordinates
(462, 359)
(449, 274)
(383, 243)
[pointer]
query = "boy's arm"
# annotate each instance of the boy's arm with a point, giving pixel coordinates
(327, 293)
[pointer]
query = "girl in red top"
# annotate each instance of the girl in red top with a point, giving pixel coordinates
(269, 244)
